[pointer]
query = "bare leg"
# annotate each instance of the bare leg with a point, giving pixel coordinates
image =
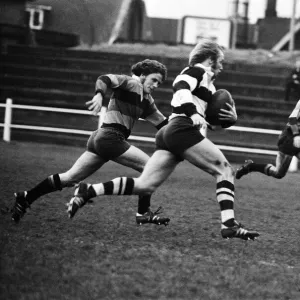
(283, 162)
(87, 164)
(136, 159)
(158, 168)
(133, 158)
(206, 156)
(156, 171)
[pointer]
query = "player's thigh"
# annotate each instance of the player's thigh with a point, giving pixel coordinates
(85, 165)
(208, 157)
(158, 168)
(133, 158)
(283, 162)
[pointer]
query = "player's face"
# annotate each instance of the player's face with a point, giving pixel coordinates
(217, 67)
(151, 82)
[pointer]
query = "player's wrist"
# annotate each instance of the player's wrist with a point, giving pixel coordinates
(99, 91)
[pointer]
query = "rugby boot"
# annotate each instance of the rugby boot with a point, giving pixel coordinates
(80, 199)
(152, 217)
(244, 169)
(20, 206)
(238, 231)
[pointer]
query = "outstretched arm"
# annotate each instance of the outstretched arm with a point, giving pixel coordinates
(157, 119)
(102, 84)
(154, 116)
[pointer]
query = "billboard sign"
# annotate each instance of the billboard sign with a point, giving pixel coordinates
(195, 29)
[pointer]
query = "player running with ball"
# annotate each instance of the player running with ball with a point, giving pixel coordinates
(288, 146)
(181, 140)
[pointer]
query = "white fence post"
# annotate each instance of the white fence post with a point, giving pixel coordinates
(294, 165)
(7, 120)
(101, 115)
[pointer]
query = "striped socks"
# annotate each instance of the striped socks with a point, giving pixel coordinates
(225, 197)
(117, 186)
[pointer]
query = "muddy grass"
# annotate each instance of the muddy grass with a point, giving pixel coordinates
(103, 254)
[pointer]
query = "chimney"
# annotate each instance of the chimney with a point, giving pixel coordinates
(271, 9)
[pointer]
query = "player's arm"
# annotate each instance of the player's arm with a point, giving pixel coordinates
(228, 115)
(110, 81)
(103, 83)
(154, 116)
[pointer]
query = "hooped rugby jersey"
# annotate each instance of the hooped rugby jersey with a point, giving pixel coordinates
(294, 117)
(193, 89)
(128, 102)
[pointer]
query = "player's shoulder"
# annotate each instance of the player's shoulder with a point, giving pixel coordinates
(132, 83)
(196, 72)
(128, 78)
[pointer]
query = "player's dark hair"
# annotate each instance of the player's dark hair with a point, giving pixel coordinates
(203, 51)
(149, 66)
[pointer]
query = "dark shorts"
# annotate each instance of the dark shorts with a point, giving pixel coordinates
(285, 142)
(177, 136)
(108, 143)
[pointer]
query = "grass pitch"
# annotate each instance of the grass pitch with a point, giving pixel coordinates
(103, 254)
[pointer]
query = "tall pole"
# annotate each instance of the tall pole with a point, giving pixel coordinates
(234, 23)
(292, 28)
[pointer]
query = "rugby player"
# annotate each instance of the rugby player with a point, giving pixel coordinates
(288, 146)
(181, 140)
(131, 100)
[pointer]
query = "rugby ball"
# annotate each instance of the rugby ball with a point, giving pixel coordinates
(218, 101)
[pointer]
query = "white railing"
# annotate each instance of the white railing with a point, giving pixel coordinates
(8, 126)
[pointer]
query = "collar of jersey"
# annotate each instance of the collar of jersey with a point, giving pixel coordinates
(136, 78)
(207, 69)
(142, 89)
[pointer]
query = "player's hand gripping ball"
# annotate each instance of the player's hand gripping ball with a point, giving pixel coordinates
(218, 102)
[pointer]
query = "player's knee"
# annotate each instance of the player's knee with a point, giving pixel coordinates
(144, 187)
(224, 168)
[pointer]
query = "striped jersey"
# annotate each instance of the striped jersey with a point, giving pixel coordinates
(294, 118)
(193, 89)
(128, 102)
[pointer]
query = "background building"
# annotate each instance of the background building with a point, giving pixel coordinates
(71, 23)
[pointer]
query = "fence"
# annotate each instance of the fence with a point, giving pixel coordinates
(8, 125)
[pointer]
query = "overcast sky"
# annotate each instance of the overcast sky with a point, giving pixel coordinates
(214, 8)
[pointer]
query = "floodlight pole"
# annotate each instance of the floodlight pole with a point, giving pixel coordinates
(292, 28)
(234, 19)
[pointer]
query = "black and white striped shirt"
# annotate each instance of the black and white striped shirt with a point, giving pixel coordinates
(193, 89)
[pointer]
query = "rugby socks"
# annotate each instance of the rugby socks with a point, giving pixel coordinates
(117, 186)
(225, 197)
(49, 185)
(143, 204)
(122, 186)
